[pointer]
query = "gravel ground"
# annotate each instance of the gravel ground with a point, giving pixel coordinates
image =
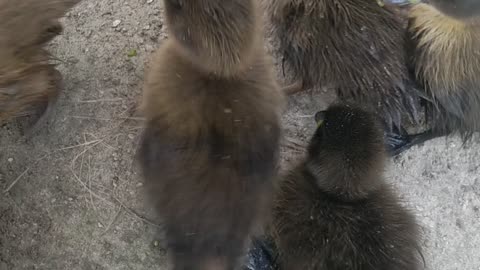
(77, 202)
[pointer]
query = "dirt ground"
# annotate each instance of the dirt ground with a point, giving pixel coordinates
(74, 196)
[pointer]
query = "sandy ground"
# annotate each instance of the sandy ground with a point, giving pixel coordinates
(76, 200)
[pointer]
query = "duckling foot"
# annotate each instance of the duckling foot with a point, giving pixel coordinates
(397, 143)
(45, 113)
(262, 255)
(45, 110)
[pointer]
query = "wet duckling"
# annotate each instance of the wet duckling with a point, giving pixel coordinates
(446, 61)
(355, 46)
(210, 147)
(28, 82)
(335, 211)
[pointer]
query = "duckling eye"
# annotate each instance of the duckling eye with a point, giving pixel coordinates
(319, 118)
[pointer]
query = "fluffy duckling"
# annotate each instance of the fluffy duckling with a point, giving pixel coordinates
(335, 211)
(210, 148)
(355, 46)
(28, 82)
(446, 61)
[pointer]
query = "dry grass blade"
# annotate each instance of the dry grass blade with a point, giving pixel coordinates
(133, 213)
(16, 180)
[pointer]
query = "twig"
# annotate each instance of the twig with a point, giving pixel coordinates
(305, 116)
(41, 158)
(126, 208)
(16, 180)
(24, 172)
(107, 119)
(77, 145)
(112, 220)
(132, 212)
(295, 142)
(88, 189)
(90, 146)
(100, 100)
(90, 185)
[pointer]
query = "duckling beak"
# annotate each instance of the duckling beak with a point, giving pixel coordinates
(320, 117)
(401, 2)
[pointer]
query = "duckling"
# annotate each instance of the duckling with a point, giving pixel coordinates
(445, 39)
(28, 82)
(210, 147)
(334, 210)
(355, 46)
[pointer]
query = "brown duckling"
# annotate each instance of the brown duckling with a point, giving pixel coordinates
(335, 210)
(28, 82)
(355, 46)
(210, 148)
(445, 53)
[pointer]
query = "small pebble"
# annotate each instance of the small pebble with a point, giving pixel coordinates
(149, 1)
(116, 23)
(149, 48)
(10, 160)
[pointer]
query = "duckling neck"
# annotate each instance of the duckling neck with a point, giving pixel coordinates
(346, 182)
(219, 37)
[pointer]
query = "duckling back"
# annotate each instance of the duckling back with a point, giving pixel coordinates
(334, 210)
(210, 148)
(356, 47)
(446, 61)
(218, 36)
(27, 80)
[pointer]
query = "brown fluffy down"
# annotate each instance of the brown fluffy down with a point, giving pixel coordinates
(195, 24)
(355, 46)
(27, 80)
(210, 148)
(335, 211)
(447, 63)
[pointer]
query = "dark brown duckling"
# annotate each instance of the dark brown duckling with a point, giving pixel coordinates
(335, 210)
(446, 61)
(355, 46)
(210, 148)
(28, 82)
